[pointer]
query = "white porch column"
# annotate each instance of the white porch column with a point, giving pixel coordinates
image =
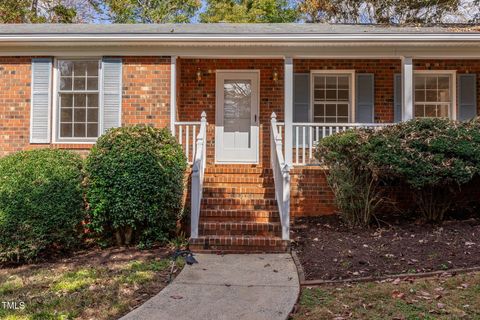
(407, 88)
(288, 110)
(173, 93)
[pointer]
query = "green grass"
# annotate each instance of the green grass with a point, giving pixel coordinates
(80, 291)
(437, 298)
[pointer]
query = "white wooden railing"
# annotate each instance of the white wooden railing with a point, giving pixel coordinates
(306, 136)
(198, 172)
(281, 177)
(186, 133)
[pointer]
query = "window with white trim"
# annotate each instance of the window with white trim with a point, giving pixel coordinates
(78, 100)
(331, 97)
(433, 95)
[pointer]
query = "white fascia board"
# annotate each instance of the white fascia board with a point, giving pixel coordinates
(375, 37)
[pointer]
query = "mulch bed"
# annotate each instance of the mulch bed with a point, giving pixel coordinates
(329, 250)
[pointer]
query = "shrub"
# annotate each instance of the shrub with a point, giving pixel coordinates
(433, 158)
(41, 203)
(357, 193)
(135, 184)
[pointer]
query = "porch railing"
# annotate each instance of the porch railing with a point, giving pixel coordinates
(281, 177)
(198, 172)
(306, 136)
(186, 133)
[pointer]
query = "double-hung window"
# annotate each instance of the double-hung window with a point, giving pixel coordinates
(332, 97)
(78, 100)
(433, 95)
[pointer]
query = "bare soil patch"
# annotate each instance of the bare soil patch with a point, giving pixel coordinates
(329, 250)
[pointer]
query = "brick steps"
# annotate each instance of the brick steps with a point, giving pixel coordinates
(239, 212)
(272, 229)
(238, 244)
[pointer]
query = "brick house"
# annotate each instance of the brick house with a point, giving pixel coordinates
(247, 103)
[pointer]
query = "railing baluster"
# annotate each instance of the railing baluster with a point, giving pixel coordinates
(296, 144)
(187, 152)
(310, 147)
(304, 137)
(194, 136)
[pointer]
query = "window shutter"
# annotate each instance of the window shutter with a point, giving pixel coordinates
(365, 102)
(397, 98)
(112, 93)
(467, 96)
(301, 102)
(40, 112)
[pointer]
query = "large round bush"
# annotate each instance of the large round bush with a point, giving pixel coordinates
(41, 203)
(135, 184)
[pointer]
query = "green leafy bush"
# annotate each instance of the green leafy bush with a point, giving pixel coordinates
(41, 203)
(356, 190)
(433, 158)
(135, 184)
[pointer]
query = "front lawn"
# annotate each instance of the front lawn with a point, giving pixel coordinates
(446, 297)
(100, 284)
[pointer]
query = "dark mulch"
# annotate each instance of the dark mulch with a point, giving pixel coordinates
(329, 250)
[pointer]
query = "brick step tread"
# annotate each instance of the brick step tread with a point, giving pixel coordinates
(220, 206)
(239, 201)
(237, 170)
(241, 225)
(239, 215)
(243, 240)
(238, 195)
(234, 189)
(243, 178)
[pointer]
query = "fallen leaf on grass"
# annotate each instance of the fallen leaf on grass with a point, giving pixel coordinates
(397, 294)
(176, 297)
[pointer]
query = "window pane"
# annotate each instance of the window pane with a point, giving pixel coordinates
(319, 94)
(430, 111)
(80, 100)
(419, 110)
(419, 82)
(65, 68)
(319, 82)
(420, 95)
(343, 82)
(80, 115)
(431, 82)
(65, 130)
(66, 115)
(66, 100)
(331, 82)
(79, 84)
(79, 130)
(443, 95)
(431, 96)
(92, 130)
(331, 95)
(330, 110)
(443, 82)
(92, 83)
(343, 119)
(80, 68)
(92, 68)
(442, 111)
(342, 110)
(319, 110)
(343, 95)
(65, 83)
(92, 100)
(92, 115)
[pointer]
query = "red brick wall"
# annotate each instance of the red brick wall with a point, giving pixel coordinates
(383, 70)
(196, 96)
(146, 99)
(461, 66)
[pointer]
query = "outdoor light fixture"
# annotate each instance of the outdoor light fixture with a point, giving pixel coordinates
(275, 75)
(199, 75)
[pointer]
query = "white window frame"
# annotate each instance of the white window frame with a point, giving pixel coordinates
(56, 107)
(351, 74)
(452, 110)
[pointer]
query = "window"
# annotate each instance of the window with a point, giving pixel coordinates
(331, 97)
(433, 95)
(78, 100)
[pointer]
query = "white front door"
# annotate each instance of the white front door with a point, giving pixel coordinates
(236, 127)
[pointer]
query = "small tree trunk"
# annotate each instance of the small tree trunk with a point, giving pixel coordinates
(118, 237)
(128, 235)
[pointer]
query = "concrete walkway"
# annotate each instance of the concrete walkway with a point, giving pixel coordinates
(250, 287)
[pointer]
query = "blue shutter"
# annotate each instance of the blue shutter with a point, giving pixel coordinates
(112, 93)
(40, 112)
(467, 96)
(301, 103)
(365, 98)
(397, 98)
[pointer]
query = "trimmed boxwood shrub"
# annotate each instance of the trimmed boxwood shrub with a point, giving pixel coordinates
(433, 158)
(135, 184)
(41, 203)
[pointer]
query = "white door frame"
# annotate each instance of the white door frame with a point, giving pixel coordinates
(222, 75)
